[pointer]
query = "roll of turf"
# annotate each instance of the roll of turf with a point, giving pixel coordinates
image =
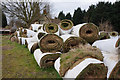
(113, 34)
(71, 41)
(45, 60)
(51, 28)
(51, 43)
(65, 26)
(88, 68)
(14, 39)
(87, 31)
(110, 52)
(103, 35)
(78, 63)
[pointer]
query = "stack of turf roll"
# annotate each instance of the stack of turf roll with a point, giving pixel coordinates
(103, 35)
(65, 26)
(71, 41)
(68, 48)
(113, 34)
(36, 27)
(35, 36)
(14, 39)
(16, 34)
(22, 34)
(51, 28)
(20, 40)
(45, 60)
(20, 31)
(32, 43)
(27, 34)
(110, 49)
(51, 43)
(87, 31)
(83, 62)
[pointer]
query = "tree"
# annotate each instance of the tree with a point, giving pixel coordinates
(115, 18)
(99, 13)
(28, 12)
(78, 16)
(4, 20)
(68, 16)
(89, 15)
(103, 12)
(61, 15)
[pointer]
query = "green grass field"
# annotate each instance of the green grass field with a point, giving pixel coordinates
(18, 62)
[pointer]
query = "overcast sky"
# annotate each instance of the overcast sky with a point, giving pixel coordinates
(70, 5)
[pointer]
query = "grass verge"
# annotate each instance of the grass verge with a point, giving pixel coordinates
(18, 62)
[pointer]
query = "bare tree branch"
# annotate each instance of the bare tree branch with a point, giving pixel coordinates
(28, 12)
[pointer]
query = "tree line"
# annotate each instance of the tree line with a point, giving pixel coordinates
(102, 12)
